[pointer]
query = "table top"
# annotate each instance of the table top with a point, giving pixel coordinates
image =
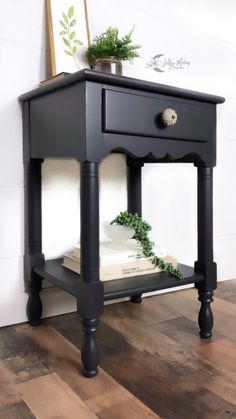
(120, 81)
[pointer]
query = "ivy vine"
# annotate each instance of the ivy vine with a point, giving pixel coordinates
(68, 33)
(142, 228)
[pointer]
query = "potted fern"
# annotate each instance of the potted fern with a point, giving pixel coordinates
(108, 50)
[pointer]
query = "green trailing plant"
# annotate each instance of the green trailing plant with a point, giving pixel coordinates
(142, 228)
(109, 45)
(68, 34)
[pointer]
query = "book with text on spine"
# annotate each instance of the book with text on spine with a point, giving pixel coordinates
(121, 270)
(110, 254)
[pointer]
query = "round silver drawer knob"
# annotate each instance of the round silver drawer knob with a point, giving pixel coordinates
(169, 117)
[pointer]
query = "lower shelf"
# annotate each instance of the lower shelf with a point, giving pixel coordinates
(54, 272)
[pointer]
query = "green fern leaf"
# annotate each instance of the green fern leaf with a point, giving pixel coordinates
(63, 24)
(65, 17)
(66, 42)
(68, 52)
(71, 12)
(77, 42)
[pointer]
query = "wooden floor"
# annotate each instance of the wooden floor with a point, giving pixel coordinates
(153, 363)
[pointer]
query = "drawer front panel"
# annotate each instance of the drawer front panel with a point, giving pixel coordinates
(133, 114)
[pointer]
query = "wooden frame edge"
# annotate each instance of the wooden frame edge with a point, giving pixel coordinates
(87, 22)
(51, 35)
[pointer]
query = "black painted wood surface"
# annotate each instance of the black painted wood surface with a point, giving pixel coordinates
(121, 81)
(86, 116)
(82, 117)
(121, 108)
(134, 196)
(53, 271)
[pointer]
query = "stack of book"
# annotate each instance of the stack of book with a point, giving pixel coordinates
(58, 76)
(118, 263)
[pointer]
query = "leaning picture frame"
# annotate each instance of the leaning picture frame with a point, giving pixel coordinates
(69, 36)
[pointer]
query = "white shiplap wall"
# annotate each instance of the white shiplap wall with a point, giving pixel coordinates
(200, 31)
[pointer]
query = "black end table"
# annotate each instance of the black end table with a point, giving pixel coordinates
(86, 116)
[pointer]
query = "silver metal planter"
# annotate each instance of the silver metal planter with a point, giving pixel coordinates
(109, 65)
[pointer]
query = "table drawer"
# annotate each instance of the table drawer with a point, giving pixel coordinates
(133, 114)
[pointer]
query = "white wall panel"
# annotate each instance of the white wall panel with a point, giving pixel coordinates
(11, 222)
(201, 32)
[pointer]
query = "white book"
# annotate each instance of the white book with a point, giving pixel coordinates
(111, 254)
(124, 270)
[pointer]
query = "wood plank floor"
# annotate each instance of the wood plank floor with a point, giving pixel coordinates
(153, 363)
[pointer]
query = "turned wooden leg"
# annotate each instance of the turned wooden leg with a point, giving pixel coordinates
(205, 263)
(90, 349)
(33, 239)
(134, 188)
(205, 317)
(90, 288)
(136, 299)
(34, 304)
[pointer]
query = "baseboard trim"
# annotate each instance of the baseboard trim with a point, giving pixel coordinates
(55, 302)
